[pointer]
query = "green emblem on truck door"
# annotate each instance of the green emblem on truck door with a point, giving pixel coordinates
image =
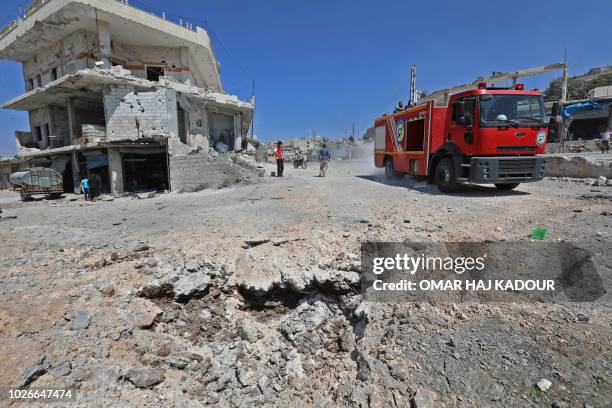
(400, 131)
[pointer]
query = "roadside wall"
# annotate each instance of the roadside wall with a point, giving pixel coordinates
(195, 172)
(593, 165)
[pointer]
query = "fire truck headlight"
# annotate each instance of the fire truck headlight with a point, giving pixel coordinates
(540, 137)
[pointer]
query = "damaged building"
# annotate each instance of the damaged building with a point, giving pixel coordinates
(131, 100)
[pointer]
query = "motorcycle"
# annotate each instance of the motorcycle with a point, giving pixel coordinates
(300, 162)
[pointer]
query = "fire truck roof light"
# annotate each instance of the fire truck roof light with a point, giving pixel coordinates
(482, 85)
(519, 87)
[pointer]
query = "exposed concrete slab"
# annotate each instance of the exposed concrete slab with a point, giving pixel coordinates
(51, 21)
(578, 165)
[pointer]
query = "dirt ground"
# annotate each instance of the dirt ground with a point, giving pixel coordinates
(203, 299)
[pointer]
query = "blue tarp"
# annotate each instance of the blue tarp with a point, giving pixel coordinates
(570, 109)
(98, 160)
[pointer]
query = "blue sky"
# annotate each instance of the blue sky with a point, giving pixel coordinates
(323, 65)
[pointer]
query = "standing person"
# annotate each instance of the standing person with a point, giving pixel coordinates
(605, 140)
(280, 165)
(324, 157)
(85, 188)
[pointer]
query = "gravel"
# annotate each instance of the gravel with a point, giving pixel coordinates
(250, 296)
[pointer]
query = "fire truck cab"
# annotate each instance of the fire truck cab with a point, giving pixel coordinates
(483, 136)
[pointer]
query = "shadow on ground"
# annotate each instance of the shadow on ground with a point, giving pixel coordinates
(466, 190)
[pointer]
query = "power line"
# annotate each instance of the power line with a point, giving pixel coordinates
(216, 38)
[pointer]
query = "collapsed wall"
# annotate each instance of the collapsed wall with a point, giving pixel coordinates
(198, 171)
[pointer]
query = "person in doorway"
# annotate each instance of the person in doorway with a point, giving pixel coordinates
(605, 140)
(85, 188)
(324, 158)
(280, 165)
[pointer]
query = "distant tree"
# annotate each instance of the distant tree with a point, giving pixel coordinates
(576, 88)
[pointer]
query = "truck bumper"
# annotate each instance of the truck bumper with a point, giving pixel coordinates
(508, 169)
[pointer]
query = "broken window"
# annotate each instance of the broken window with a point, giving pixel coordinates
(29, 84)
(153, 73)
(53, 74)
(39, 80)
(221, 131)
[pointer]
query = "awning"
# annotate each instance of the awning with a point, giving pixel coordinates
(99, 160)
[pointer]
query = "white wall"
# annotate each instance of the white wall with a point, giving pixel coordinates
(132, 115)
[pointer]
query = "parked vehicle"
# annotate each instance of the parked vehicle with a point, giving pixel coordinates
(300, 161)
(38, 180)
(484, 136)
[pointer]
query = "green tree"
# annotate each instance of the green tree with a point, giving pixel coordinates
(576, 88)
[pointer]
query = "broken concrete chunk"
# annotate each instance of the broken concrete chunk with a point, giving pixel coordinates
(544, 384)
(145, 195)
(188, 286)
(81, 320)
(247, 330)
(180, 360)
(250, 243)
(61, 370)
(144, 312)
(33, 372)
(425, 398)
(145, 377)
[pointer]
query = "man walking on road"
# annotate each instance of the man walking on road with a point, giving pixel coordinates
(280, 165)
(605, 140)
(324, 157)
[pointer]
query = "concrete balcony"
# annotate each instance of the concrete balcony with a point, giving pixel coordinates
(47, 22)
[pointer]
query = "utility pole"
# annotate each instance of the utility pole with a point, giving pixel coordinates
(562, 102)
(564, 85)
(253, 118)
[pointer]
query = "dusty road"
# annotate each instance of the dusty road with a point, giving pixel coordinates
(248, 296)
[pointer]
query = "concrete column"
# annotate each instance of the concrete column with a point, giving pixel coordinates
(104, 40)
(115, 169)
(72, 131)
(76, 176)
(43, 135)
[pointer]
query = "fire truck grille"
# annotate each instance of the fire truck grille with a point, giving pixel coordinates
(516, 168)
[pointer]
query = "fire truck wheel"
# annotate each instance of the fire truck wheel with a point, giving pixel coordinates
(507, 186)
(445, 176)
(389, 172)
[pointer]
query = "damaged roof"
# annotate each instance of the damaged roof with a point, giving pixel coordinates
(50, 21)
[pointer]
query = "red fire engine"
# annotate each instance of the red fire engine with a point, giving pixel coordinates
(484, 136)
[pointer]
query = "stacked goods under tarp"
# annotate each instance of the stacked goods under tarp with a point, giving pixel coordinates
(38, 180)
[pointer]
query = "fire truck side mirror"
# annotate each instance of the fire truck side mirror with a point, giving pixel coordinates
(556, 109)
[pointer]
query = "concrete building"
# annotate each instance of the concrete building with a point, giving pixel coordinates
(119, 94)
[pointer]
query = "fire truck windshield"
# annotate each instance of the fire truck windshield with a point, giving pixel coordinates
(525, 110)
